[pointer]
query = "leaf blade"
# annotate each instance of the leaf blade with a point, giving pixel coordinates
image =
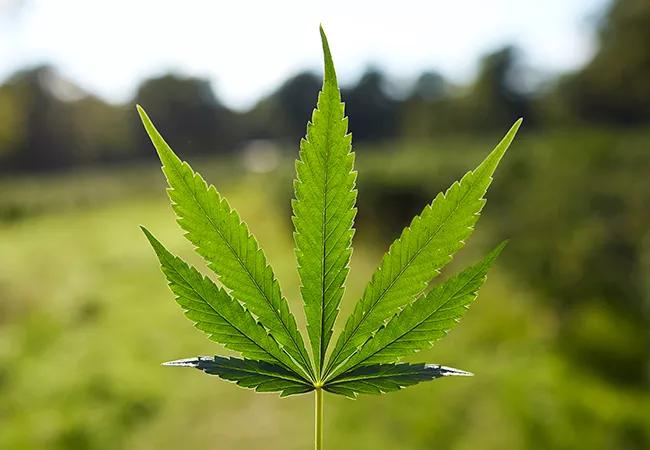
(383, 378)
(258, 375)
(323, 211)
(419, 253)
(228, 247)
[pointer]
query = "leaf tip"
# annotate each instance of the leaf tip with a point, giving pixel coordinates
(165, 153)
(155, 243)
(143, 114)
(188, 362)
(330, 73)
(491, 162)
(445, 371)
(499, 248)
(147, 233)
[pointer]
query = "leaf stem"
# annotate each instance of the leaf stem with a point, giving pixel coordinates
(318, 416)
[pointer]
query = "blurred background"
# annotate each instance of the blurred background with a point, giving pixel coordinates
(559, 339)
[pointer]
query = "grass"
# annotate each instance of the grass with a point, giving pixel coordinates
(79, 369)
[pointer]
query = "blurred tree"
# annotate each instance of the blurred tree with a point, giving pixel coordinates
(615, 86)
(11, 123)
(47, 122)
(101, 132)
(496, 97)
(426, 110)
(190, 113)
(36, 137)
(493, 100)
(429, 86)
(283, 114)
(373, 114)
(295, 101)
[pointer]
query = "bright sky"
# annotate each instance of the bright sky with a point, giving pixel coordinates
(248, 47)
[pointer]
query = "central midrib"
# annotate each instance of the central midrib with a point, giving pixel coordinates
(322, 344)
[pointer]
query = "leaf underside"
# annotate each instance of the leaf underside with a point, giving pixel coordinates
(258, 375)
(383, 378)
(265, 377)
(395, 316)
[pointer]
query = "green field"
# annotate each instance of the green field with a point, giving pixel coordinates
(86, 319)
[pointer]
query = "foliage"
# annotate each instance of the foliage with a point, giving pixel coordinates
(50, 123)
(537, 336)
(395, 316)
(613, 87)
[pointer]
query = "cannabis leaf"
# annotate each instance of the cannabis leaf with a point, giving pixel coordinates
(395, 317)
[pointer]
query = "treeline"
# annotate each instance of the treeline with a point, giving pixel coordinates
(46, 122)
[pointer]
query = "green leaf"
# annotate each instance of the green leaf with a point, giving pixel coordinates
(426, 320)
(382, 378)
(228, 247)
(258, 375)
(418, 255)
(324, 211)
(215, 312)
(393, 318)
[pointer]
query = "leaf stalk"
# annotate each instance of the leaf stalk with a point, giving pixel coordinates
(318, 418)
